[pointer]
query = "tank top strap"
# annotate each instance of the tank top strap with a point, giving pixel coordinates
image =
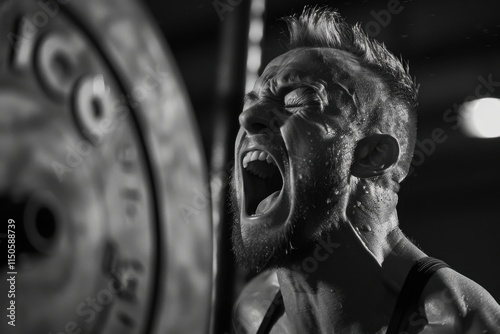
(270, 316)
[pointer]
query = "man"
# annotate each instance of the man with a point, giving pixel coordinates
(327, 135)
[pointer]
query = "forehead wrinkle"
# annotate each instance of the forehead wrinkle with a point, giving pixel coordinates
(266, 76)
(281, 64)
(290, 75)
(284, 76)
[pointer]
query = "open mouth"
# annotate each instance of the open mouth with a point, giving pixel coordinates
(262, 180)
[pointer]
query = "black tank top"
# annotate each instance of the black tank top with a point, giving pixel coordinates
(406, 305)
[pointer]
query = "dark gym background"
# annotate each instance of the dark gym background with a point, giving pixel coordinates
(450, 205)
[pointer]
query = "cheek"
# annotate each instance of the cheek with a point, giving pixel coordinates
(305, 138)
(343, 151)
(320, 150)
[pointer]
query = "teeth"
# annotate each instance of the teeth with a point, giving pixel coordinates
(245, 161)
(257, 155)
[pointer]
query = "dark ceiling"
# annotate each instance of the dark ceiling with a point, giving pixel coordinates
(450, 205)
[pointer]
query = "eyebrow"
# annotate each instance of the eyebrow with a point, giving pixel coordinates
(250, 97)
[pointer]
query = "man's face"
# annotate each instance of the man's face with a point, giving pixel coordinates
(299, 127)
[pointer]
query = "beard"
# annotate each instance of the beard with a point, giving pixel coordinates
(260, 248)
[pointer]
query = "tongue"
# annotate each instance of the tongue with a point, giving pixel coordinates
(266, 203)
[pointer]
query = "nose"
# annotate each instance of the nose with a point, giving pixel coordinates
(260, 119)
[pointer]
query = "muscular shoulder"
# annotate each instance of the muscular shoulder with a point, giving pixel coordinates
(455, 301)
(254, 301)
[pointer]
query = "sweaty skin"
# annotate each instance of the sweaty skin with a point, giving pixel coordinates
(330, 236)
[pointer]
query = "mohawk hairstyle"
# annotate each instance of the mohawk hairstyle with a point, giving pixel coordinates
(323, 27)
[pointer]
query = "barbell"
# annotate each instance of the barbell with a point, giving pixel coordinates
(102, 174)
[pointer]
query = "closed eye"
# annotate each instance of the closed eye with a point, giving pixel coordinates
(302, 97)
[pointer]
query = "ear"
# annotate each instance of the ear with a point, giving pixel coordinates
(374, 155)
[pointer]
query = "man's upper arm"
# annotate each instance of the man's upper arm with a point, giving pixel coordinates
(484, 313)
(460, 304)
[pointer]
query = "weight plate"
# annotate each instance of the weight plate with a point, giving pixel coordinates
(102, 171)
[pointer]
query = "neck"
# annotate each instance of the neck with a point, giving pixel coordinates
(343, 284)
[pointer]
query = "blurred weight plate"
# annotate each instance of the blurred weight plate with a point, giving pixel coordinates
(101, 169)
